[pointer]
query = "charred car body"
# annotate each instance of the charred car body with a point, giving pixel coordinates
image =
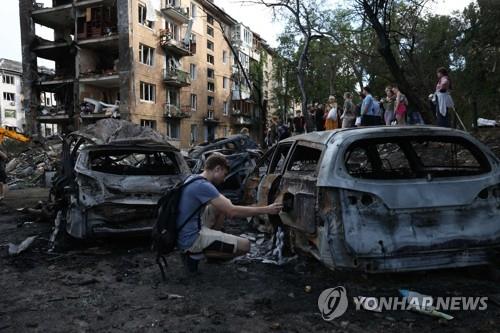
(112, 175)
(242, 154)
(382, 199)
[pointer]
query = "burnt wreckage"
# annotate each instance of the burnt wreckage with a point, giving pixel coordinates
(242, 154)
(382, 199)
(111, 176)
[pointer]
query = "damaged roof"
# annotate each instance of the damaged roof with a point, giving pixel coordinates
(114, 131)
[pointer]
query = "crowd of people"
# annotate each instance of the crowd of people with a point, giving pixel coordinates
(391, 109)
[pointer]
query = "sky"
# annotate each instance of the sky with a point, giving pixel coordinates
(257, 17)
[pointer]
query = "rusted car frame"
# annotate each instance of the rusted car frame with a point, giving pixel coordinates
(395, 213)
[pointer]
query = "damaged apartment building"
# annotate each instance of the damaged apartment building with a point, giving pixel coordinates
(167, 64)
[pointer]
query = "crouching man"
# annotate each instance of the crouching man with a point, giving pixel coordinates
(201, 234)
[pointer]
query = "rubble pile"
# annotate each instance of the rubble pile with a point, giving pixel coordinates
(34, 166)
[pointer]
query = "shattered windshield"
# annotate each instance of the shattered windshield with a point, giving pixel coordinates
(139, 163)
(414, 157)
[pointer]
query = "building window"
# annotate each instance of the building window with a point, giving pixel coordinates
(10, 113)
(147, 92)
(193, 10)
(245, 60)
(173, 129)
(210, 31)
(148, 123)
(9, 96)
(224, 57)
(192, 46)
(225, 110)
(225, 82)
(210, 101)
(142, 17)
(211, 86)
(192, 72)
(210, 19)
(8, 79)
(194, 133)
(210, 45)
(247, 36)
(194, 102)
(210, 59)
(146, 55)
(210, 73)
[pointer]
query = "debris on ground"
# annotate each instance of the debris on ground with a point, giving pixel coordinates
(25, 244)
(422, 304)
(34, 166)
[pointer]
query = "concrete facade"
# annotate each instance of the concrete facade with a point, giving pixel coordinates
(169, 67)
(11, 112)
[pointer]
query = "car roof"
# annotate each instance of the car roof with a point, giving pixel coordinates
(323, 137)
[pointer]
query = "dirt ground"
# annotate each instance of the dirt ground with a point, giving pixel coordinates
(117, 287)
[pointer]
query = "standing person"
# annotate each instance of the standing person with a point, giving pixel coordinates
(389, 101)
(320, 117)
(400, 105)
(332, 116)
(283, 131)
(272, 132)
(443, 100)
(349, 114)
(298, 122)
(370, 109)
(3, 174)
(200, 233)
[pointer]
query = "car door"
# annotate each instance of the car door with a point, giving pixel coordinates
(298, 188)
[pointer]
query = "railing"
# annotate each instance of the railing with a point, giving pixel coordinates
(176, 75)
(167, 39)
(175, 111)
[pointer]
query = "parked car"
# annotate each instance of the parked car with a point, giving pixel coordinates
(385, 199)
(112, 175)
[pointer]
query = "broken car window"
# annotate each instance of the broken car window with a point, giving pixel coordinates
(304, 159)
(137, 163)
(414, 157)
(279, 158)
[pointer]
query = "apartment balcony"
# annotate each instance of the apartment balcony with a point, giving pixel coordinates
(172, 111)
(209, 119)
(172, 45)
(104, 79)
(53, 115)
(56, 17)
(52, 50)
(243, 121)
(175, 12)
(176, 77)
(239, 94)
(52, 82)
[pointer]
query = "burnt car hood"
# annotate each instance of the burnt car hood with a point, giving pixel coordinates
(108, 131)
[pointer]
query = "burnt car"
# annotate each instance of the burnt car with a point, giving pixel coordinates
(242, 154)
(112, 175)
(385, 199)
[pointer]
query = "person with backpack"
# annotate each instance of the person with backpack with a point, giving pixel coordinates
(201, 213)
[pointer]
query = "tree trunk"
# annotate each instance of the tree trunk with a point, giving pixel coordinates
(300, 80)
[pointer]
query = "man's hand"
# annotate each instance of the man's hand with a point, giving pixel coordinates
(274, 208)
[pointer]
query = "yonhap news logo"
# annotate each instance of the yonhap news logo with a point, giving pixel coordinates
(333, 303)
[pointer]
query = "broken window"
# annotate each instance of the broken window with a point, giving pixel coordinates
(147, 92)
(414, 157)
(192, 71)
(134, 162)
(210, 59)
(9, 96)
(194, 102)
(210, 31)
(148, 123)
(146, 54)
(210, 19)
(279, 158)
(304, 159)
(211, 86)
(210, 45)
(142, 17)
(173, 129)
(210, 73)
